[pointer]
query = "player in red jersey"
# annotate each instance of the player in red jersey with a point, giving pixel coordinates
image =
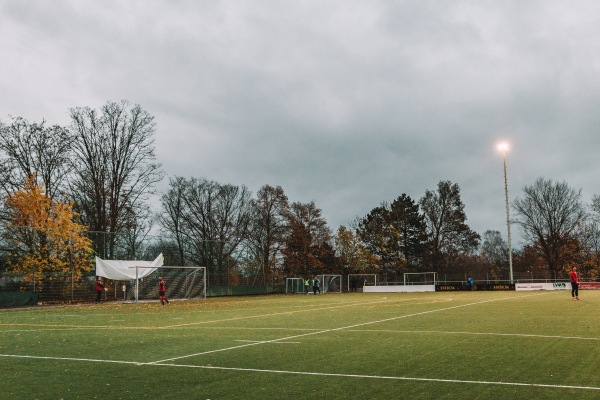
(99, 289)
(162, 290)
(574, 284)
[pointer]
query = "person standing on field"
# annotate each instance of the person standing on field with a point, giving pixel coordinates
(306, 285)
(99, 289)
(162, 290)
(470, 282)
(574, 284)
(316, 285)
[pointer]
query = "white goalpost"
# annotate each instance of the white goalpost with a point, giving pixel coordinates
(420, 278)
(295, 285)
(182, 283)
(327, 284)
(358, 281)
(331, 283)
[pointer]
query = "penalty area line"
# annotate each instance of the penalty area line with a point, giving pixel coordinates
(306, 373)
(325, 331)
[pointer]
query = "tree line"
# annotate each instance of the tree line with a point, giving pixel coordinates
(73, 192)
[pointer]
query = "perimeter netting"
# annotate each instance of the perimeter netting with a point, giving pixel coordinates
(420, 278)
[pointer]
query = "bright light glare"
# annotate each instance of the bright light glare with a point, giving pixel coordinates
(503, 147)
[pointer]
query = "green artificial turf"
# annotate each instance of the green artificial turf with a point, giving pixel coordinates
(463, 345)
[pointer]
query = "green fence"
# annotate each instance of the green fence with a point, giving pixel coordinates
(215, 291)
(18, 299)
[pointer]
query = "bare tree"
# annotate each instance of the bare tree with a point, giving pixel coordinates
(592, 228)
(494, 252)
(550, 213)
(134, 234)
(171, 217)
(211, 221)
(34, 150)
(268, 225)
(114, 164)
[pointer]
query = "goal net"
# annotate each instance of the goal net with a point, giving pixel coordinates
(356, 282)
(331, 283)
(181, 283)
(420, 278)
(295, 285)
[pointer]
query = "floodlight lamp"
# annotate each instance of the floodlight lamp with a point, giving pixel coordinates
(503, 147)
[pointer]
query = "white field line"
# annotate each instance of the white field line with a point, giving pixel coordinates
(398, 378)
(44, 327)
(318, 308)
(90, 307)
(339, 329)
(524, 335)
(146, 328)
(262, 341)
(70, 359)
(323, 374)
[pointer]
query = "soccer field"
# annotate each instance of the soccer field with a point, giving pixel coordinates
(459, 345)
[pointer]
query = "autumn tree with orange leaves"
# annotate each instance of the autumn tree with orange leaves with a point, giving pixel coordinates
(307, 246)
(44, 234)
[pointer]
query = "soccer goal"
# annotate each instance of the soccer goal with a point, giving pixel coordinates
(420, 278)
(182, 283)
(356, 282)
(294, 285)
(331, 283)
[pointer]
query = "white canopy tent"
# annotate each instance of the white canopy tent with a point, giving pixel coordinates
(120, 270)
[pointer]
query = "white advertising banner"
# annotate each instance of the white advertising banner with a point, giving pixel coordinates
(398, 288)
(543, 286)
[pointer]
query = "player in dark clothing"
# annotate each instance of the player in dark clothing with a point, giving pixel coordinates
(316, 286)
(470, 283)
(574, 284)
(162, 291)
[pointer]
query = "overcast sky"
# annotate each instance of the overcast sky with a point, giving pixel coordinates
(347, 103)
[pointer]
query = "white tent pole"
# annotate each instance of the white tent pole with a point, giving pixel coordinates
(137, 285)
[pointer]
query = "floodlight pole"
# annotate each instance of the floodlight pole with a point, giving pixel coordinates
(510, 266)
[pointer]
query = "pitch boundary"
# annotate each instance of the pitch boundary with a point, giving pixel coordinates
(307, 373)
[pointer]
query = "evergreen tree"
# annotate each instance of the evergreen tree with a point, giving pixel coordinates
(449, 236)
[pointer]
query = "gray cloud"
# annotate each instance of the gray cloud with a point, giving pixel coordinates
(345, 103)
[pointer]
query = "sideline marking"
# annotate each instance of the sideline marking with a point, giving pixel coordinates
(526, 335)
(330, 306)
(196, 327)
(67, 327)
(340, 328)
(399, 378)
(396, 378)
(262, 341)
